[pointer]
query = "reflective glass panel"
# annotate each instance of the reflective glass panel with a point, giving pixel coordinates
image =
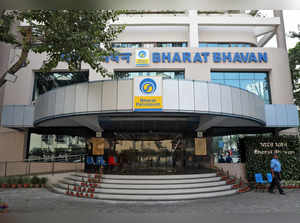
(233, 83)
(246, 75)
(217, 76)
(219, 81)
(255, 82)
(232, 75)
(124, 75)
(62, 148)
(260, 76)
(47, 81)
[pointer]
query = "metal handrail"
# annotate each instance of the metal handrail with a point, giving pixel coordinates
(27, 168)
(44, 159)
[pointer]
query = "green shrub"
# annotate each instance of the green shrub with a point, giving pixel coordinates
(20, 180)
(44, 180)
(2, 180)
(12, 180)
(27, 180)
(257, 153)
(35, 180)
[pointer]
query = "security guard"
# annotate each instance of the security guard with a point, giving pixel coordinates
(276, 169)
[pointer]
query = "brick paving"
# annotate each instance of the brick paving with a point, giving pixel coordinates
(41, 205)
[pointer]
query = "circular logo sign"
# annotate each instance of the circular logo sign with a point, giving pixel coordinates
(142, 54)
(148, 86)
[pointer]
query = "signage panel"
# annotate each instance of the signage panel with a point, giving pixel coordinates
(97, 146)
(147, 94)
(200, 147)
(142, 57)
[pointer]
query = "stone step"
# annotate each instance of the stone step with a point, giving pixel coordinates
(160, 181)
(151, 186)
(157, 191)
(149, 177)
(171, 197)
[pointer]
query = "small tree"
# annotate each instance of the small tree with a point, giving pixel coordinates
(70, 36)
(294, 61)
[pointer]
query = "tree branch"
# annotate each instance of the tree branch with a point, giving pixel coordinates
(21, 62)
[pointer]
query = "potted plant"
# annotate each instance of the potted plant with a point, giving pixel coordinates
(44, 181)
(20, 182)
(12, 181)
(35, 181)
(26, 182)
(3, 182)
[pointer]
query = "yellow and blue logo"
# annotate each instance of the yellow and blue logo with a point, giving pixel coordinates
(142, 57)
(142, 54)
(148, 86)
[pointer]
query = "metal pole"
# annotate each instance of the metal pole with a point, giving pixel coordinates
(29, 169)
(52, 167)
(5, 168)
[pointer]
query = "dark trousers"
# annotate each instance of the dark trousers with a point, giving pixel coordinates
(276, 182)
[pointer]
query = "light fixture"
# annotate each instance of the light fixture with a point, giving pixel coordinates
(199, 134)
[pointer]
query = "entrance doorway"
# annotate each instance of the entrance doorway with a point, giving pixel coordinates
(164, 156)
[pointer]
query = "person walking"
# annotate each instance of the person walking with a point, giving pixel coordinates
(276, 169)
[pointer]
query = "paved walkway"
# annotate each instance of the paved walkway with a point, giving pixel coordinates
(40, 205)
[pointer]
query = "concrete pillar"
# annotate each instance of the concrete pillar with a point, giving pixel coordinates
(193, 29)
(280, 32)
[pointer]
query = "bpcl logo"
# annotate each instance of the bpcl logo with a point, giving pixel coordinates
(147, 86)
(142, 54)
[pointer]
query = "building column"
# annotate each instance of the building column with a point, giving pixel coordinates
(280, 32)
(193, 29)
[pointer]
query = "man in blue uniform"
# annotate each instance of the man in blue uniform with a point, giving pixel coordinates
(276, 169)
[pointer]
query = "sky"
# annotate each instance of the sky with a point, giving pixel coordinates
(291, 23)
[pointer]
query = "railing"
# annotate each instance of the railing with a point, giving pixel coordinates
(30, 167)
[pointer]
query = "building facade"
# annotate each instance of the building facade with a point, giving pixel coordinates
(179, 81)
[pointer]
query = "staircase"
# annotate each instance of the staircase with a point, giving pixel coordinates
(144, 187)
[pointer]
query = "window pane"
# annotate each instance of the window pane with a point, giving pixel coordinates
(61, 148)
(234, 83)
(123, 75)
(223, 45)
(217, 75)
(258, 88)
(211, 45)
(47, 81)
(246, 75)
(231, 75)
(246, 84)
(256, 83)
(260, 76)
(218, 81)
(202, 45)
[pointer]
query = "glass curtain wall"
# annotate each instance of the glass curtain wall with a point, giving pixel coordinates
(58, 147)
(149, 44)
(125, 75)
(202, 45)
(255, 82)
(47, 81)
